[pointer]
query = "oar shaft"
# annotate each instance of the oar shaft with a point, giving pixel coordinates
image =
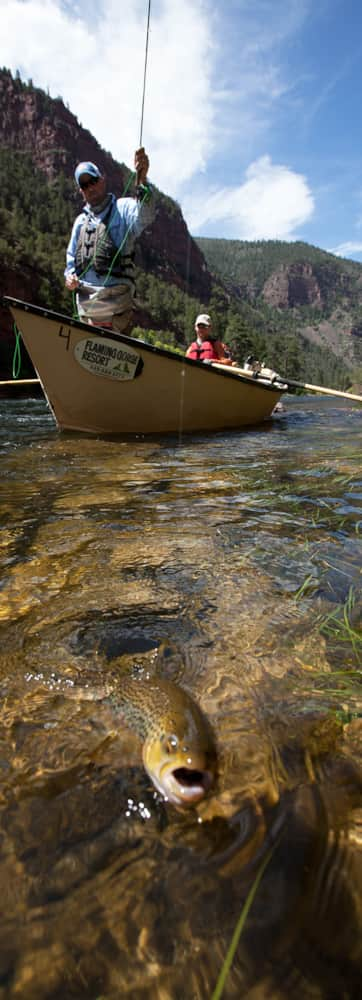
(322, 388)
(292, 383)
(21, 381)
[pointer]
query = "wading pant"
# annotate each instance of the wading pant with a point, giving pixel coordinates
(111, 307)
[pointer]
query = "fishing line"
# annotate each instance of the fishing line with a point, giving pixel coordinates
(17, 352)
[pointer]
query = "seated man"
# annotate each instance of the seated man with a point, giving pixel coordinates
(206, 347)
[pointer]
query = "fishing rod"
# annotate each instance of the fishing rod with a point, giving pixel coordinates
(144, 76)
(145, 69)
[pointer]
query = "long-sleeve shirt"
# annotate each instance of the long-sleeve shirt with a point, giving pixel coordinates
(128, 218)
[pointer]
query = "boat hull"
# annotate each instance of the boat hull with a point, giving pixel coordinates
(98, 381)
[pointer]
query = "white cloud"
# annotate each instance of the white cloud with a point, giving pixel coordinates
(213, 85)
(348, 249)
(93, 56)
(271, 203)
(213, 78)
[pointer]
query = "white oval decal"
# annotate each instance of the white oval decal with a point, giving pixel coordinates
(103, 356)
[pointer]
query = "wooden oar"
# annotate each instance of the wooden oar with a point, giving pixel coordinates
(322, 388)
(289, 382)
(21, 381)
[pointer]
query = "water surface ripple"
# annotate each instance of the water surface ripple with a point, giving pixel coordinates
(231, 565)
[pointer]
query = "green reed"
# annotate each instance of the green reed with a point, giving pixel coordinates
(344, 682)
(219, 988)
(308, 584)
(337, 625)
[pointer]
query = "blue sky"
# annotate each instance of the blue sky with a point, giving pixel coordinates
(252, 107)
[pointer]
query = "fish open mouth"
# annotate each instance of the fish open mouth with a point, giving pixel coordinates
(186, 776)
(190, 783)
(183, 786)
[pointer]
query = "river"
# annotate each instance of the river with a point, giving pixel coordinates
(231, 565)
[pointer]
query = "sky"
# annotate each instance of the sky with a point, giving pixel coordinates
(250, 110)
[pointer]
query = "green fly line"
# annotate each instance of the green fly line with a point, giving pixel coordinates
(17, 352)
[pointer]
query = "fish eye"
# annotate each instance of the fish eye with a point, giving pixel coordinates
(170, 743)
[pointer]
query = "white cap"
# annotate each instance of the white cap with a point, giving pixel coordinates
(203, 319)
(87, 168)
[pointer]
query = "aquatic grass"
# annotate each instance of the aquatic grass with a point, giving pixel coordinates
(344, 480)
(337, 625)
(309, 583)
(345, 716)
(219, 988)
(335, 524)
(340, 524)
(341, 684)
(329, 565)
(356, 674)
(343, 688)
(316, 518)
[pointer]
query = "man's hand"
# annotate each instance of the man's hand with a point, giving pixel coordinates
(141, 163)
(71, 282)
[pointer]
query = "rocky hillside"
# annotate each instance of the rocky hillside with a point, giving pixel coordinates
(320, 294)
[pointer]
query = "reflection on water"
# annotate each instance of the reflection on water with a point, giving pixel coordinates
(230, 565)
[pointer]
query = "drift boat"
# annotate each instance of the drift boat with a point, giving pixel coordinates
(102, 382)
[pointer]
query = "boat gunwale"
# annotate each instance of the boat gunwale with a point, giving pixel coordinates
(27, 307)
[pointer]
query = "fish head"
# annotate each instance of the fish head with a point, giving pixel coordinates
(181, 761)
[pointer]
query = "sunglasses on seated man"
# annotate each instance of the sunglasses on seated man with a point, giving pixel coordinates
(90, 183)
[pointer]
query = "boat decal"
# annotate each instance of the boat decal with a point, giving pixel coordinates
(107, 357)
(66, 335)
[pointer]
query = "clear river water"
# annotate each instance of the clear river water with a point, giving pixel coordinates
(231, 565)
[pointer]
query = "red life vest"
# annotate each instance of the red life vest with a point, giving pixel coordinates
(202, 352)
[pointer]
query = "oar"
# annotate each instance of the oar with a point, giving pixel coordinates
(289, 382)
(322, 388)
(20, 381)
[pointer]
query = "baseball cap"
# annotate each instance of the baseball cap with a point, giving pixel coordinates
(86, 168)
(203, 318)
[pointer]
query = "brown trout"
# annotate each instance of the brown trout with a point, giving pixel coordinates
(179, 752)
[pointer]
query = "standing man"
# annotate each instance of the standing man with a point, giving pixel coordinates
(100, 265)
(206, 347)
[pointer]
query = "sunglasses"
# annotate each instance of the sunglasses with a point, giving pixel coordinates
(91, 183)
(204, 326)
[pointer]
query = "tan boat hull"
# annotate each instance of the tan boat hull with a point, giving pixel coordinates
(165, 394)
